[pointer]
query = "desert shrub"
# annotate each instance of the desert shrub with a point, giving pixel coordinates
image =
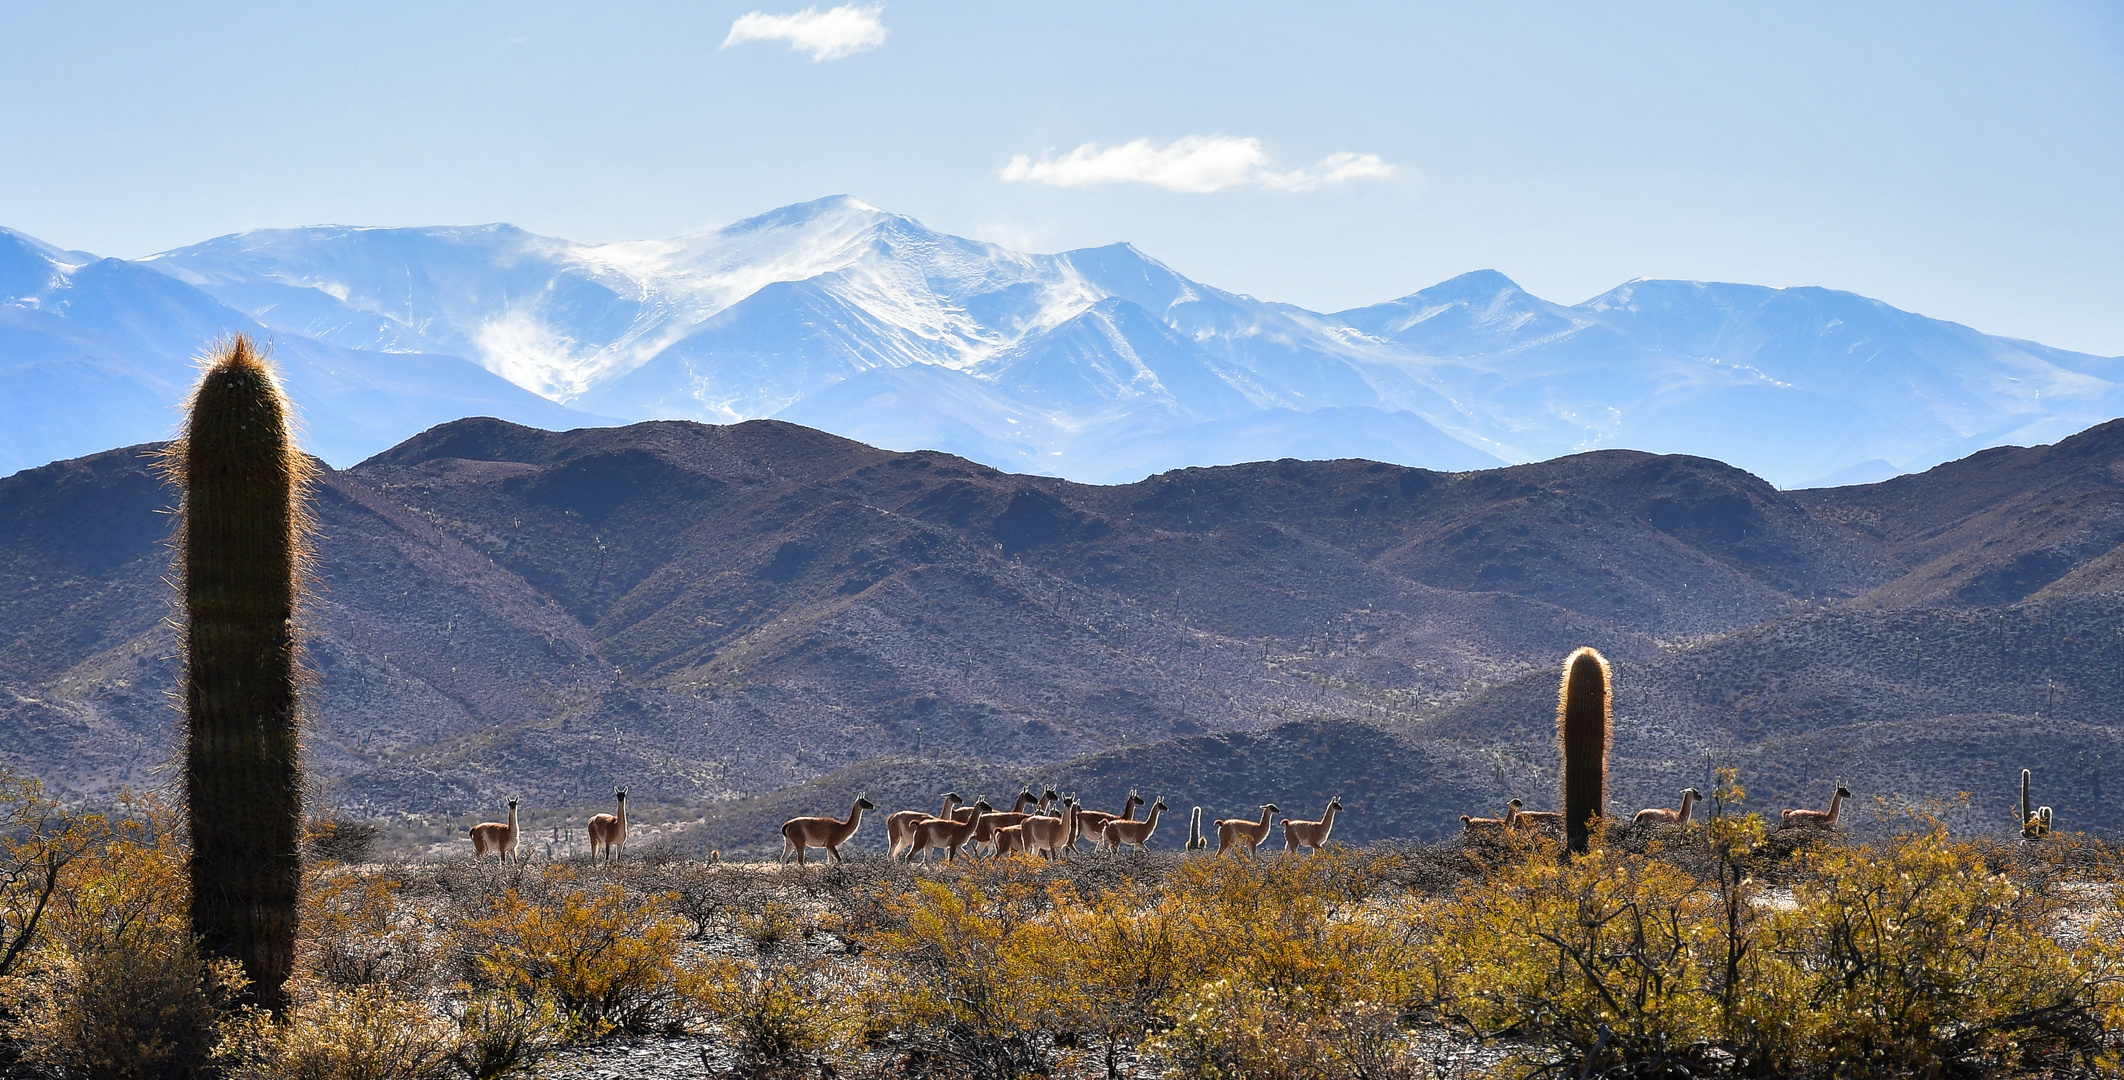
(778, 1013)
(119, 989)
(1290, 970)
(366, 1033)
(340, 840)
(355, 933)
(608, 960)
(1915, 958)
(500, 1034)
(952, 982)
(1604, 956)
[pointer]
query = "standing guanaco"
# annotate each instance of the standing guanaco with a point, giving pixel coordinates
(494, 834)
(1246, 834)
(610, 830)
(1311, 834)
(829, 833)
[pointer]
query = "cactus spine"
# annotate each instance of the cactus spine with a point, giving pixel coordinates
(240, 560)
(1582, 707)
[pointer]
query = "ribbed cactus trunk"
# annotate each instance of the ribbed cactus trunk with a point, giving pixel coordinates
(1582, 705)
(2027, 803)
(241, 555)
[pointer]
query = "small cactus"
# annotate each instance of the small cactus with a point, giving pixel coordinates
(1195, 840)
(1583, 701)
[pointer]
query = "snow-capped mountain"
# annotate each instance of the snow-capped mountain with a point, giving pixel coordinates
(1104, 364)
(96, 353)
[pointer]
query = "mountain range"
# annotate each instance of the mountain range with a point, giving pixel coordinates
(745, 621)
(1101, 365)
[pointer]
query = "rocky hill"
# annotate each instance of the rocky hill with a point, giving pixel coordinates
(739, 622)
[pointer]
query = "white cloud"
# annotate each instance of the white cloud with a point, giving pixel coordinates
(828, 35)
(1195, 164)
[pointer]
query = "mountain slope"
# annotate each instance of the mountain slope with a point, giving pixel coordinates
(706, 612)
(96, 352)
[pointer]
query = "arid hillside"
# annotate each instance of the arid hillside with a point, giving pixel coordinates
(734, 621)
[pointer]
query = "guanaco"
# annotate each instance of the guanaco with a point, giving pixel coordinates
(949, 834)
(1516, 816)
(810, 832)
(610, 829)
(1689, 797)
(1048, 837)
(1233, 832)
(899, 828)
(1486, 824)
(985, 829)
(1008, 839)
(1816, 819)
(1138, 833)
(494, 834)
(1311, 834)
(1089, 822)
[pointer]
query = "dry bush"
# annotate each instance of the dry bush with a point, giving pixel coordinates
(953, 985)
(116, 988)
(500, 1034)
(340, 840)
(608, 960)
(367, 1033)
(356, 933)
(1919, 958)
(779, 1014)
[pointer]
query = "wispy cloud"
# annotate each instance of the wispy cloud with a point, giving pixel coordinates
(826, 35)
(1196, 164)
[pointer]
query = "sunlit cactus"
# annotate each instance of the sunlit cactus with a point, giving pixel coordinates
(1582, 707)
(240, 559)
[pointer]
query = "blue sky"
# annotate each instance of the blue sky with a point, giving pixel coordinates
(1963, 161)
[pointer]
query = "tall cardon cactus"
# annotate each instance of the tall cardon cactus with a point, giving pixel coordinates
(1582, 706)
(241, 550)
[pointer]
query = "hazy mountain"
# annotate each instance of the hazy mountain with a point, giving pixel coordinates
(1102, 364)
(98, 352)
(772, 613)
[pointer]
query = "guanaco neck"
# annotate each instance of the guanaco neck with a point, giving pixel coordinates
(1836, 804)
(511, 832)
(1688, 804)
(848, 828)
(1150, 824)
(1025, 799)
(1263, 828)
(1327, 821)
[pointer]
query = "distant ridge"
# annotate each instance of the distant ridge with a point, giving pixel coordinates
(721, 617)
(1100, 364)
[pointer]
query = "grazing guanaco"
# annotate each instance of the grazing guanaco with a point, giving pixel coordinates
(1516, 817)
(610, 830)
(1089, 822)
(809, 832)
(1816, 819)
(985, 831)
(1486, 824)
(1048, 837)
(949, 834)
(1138, 833)
(1243, 833)
(1689, 798)
(1311, 834)
(494, 834)
(899, 828)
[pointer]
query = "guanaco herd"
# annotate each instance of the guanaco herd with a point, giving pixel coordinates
(1050, 827)
(1517, 818)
